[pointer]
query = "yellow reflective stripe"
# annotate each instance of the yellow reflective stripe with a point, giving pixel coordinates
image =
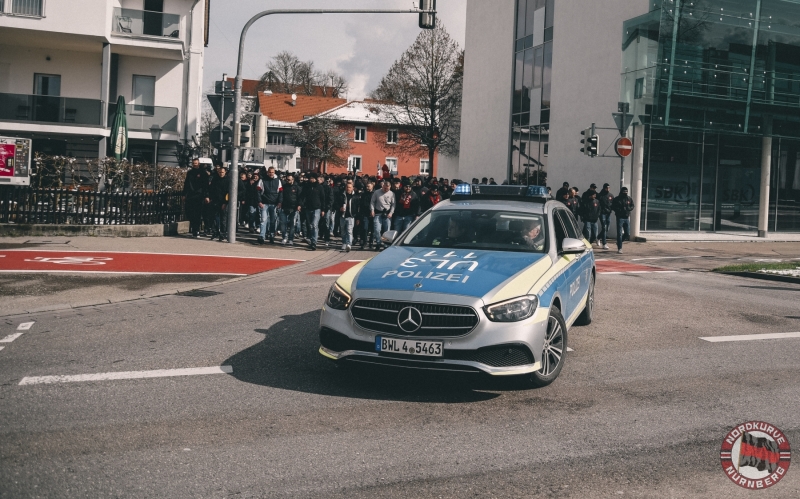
(521, 284)
(326, 354)
(345, 281)
(551, 275)
(578, 310)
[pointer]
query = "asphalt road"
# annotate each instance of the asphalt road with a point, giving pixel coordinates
(639, 410)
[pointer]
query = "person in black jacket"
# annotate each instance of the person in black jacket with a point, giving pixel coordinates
(194, 188)
(407, 208)
(270, 201)
(291, 205)
(348, 205)
(366, 220)
(573, 202)
(313, 204)
(252, 196)
(590, 213)
(431, 199)
(218, 195)
(606, 198)
(241, 193)
(622, 206)
(326, 213)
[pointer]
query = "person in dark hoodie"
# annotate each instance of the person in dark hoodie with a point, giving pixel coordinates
(242, 188)
(270, 201)
(313, 203)
(574, 202)
(622, 206)
(289, 210)
(407, 207)
(590, 214)
(218, 196)
(431, 199)
(252, 196)
(348, 204)
(195, 187)
(606, 199)
(366, 220)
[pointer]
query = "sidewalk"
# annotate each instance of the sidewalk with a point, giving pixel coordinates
(717, 237)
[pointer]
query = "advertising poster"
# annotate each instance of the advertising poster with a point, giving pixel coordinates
(15, 161)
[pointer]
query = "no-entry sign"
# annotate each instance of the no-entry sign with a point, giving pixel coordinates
(624, 147)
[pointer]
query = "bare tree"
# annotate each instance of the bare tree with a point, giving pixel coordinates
(282, 73)
(307, 77)
(425, 84)
(322, 139)
(334, 84)
(288, 75)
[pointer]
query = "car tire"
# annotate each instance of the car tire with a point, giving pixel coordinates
(588, 311)
(554, 351)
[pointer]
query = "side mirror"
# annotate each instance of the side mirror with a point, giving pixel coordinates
(572, 246)
(388, 237)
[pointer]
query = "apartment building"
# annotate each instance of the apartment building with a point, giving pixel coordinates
(63, 64)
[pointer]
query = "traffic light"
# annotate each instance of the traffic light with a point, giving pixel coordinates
(246, 134)
(427, 20)
(591, 144)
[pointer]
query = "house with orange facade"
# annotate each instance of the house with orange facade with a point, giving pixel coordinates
(375, 141)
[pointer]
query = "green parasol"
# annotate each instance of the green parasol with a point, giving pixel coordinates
(119, 132)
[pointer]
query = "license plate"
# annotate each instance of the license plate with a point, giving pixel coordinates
(409, 347)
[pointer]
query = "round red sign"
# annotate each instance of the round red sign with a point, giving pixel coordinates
(624, 147)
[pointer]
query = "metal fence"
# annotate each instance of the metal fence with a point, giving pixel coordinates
(28, 205)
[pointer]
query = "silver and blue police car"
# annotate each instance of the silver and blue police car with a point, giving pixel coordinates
(487, 282)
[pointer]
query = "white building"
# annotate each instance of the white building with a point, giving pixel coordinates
(64, 63)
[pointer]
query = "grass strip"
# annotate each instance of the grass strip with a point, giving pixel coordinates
(755, 267)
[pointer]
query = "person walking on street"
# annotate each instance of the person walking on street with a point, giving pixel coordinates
(382, 209)
(606, 199)
(252, 195)
(289, 211)
(218, 195)
(313, 201)
(195, 188)
(590, 214)
(271, 199)
(431, 199)
(407, 208)
(367, 220)
(623, 206)
(241, 216)
(574, 202)
(348, 206)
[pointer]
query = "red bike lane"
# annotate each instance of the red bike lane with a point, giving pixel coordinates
(109, 262)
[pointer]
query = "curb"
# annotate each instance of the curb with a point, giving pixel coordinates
(764, 277)
(33, 230)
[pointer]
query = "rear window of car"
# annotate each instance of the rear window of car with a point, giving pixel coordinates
(497, 230)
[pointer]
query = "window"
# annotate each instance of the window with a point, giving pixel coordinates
(638, 90)
(28, 7)
(354, 164)
(47, 85)
(144, 95)
(392, 164)
(153, 18)
(424, 167)
(391, 137)
(361, 134)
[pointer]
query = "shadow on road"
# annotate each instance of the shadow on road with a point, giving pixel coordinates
(288, 358)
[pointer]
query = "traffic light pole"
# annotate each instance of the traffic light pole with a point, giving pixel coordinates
(233, 202)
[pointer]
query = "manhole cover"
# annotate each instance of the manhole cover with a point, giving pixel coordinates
(198, 293)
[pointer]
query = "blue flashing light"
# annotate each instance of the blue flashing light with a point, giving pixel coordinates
(463, 190)
(537, 191)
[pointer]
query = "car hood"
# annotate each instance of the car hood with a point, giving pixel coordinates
(433, 270)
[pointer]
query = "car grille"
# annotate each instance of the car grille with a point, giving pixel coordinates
(437, 320)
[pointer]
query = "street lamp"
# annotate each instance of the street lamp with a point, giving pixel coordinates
(155, 133)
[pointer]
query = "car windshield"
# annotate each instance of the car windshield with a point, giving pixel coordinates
(496, 230)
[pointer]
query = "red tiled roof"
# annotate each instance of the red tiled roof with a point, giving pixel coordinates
(249, 88)
(278, 107)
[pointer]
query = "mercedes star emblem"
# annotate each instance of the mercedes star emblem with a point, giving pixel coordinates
(409, 319)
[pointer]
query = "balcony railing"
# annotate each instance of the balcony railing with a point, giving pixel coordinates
(145, 22)
(49, 109)
(143, 117)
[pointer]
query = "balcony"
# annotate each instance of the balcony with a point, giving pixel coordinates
(145, 22)
(49, 109)
(141, 118)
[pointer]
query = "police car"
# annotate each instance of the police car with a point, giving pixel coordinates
(487, 282)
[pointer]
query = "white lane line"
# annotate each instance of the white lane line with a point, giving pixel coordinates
(664, 258)
(331, 275)
(25, 326)
(160, 373)
(11, 337)
(2, 348)
(113, 272)
(750, 337)
(570, 350)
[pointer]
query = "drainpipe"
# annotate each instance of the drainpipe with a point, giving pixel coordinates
(188, 71)
(751, 77)
(676, 20)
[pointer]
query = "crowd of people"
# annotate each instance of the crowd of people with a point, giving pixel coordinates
(314, 208)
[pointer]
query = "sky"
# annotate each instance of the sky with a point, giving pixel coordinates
(361, 47)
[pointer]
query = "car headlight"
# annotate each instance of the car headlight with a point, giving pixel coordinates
(338, 299)
(514, 310)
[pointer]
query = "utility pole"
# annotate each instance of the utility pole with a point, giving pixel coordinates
(427, 21)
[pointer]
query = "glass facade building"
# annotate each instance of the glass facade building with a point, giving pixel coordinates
(716, 86)
(533, 66)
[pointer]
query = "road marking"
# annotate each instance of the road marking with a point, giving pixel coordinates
(11, 337)
(25, 326)
(2, 348)
(664, 258)
(570, 350)
(160, 373)
(750, 337)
